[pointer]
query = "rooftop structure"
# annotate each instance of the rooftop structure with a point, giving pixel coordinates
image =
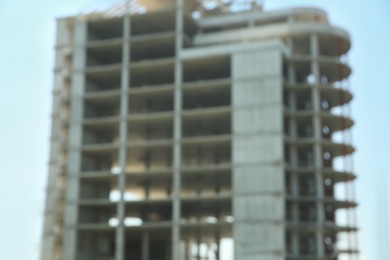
(184, 130)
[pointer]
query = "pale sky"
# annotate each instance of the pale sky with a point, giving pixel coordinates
(26, 65)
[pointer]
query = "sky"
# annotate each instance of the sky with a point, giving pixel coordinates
(26, 65)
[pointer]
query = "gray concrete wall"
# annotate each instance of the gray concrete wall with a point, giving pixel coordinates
(258, 173)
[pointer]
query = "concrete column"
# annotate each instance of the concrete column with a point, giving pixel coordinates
(75, 140)
(316, 99)
(218, 243)
(293, 156)
(176, 207)
(145, 246)
(198, 243)
(187, 250)
(125, 83)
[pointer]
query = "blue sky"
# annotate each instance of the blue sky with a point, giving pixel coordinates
(26, 63)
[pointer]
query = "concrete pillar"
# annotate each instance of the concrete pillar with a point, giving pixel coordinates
(187, 250)
(75, 135)
(124, 104)
(145, 246)
(218, 243)
(176, 214)
(316, 100)
(293, 155)
(198, 243)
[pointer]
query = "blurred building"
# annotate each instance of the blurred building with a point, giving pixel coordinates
(185, 131)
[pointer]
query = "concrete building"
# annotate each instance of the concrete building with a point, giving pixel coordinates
(186, 132)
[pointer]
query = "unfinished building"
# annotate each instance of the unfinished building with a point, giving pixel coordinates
(184, 130)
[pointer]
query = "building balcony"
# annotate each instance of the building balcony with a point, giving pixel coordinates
(334, 95)
(330, 45)
(335, 175)
(333, 121)
(328, 227)
(337, 204)
(332, 69)
(334, 148)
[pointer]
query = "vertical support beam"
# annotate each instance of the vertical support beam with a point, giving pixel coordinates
(293, 151)
(176, 208)
(125, 83)
(218, 243)
(198, 243)
(75, 139)
(316, 99)
(187, 250)
(145, 246)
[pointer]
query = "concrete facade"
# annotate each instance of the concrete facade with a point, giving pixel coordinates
(222, 137)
